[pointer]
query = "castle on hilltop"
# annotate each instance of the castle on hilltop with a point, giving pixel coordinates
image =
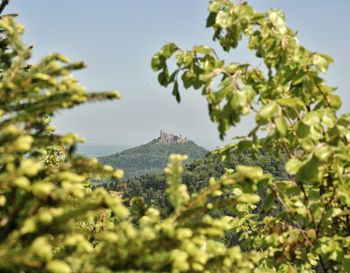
(169, 138)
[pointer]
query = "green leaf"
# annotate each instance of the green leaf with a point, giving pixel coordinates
(249, 172)
(211, 19)
(302, 130)
(176, 92)
(223, 19)
(291, 102)
(202, 49)
(168, 50)
(188, 79)
(334, 101)
(269, 110)
(244, 145)
(214, 6)
(58, 266)
(321, 62)
(281, 125)
(163, 77)
(277, 19)
(312, 119)
(309, 170)
(298, 78)
(248, 198)
(238, 100)
(157, 62)
(293, 165)
(329, 119)
(323, 152)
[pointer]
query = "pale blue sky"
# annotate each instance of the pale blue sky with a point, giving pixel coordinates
(118, 38)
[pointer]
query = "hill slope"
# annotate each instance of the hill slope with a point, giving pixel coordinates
(153, 156)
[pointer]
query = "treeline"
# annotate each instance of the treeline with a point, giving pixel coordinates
(150, 188)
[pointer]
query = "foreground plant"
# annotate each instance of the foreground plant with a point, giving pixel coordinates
(43, 190)
(297, 110)
(51, 221)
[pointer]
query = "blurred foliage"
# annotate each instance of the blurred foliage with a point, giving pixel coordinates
(296, 113)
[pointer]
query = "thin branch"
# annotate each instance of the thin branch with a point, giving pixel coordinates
(322, 265)
(3, 5)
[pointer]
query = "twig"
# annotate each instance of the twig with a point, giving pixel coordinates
(3, 5)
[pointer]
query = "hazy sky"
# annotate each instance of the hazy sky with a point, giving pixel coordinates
(118, 38)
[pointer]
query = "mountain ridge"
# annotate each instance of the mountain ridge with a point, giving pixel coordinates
(153, 156)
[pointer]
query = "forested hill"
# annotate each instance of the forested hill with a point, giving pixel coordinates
(196, 176)
(153, 156)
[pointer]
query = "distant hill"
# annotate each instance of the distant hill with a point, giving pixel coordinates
(196, 175)
(153, 156)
